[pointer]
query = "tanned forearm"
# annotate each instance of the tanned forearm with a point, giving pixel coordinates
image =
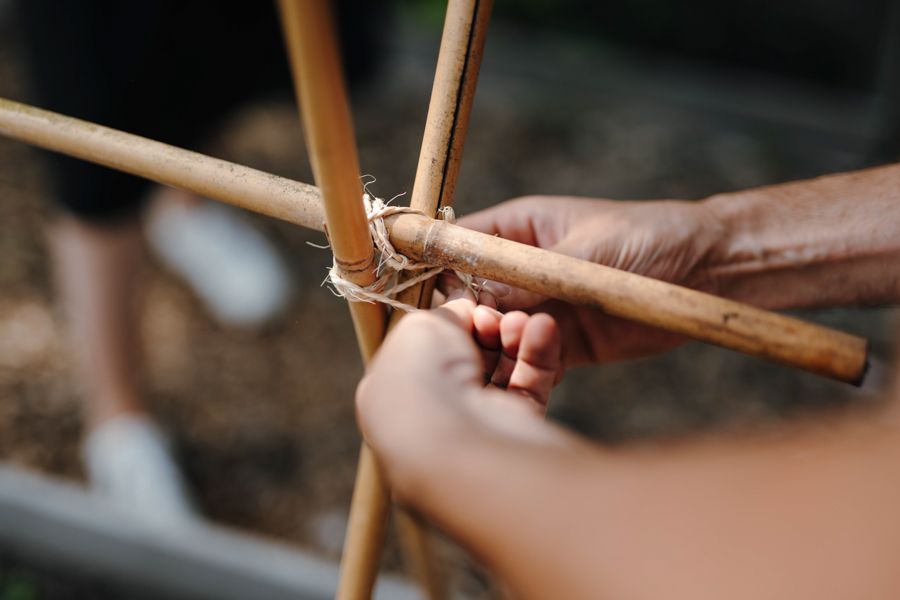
(807, 513)
(513, 505)
(829, 241)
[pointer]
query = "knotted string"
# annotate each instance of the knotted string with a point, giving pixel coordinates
(391, 263)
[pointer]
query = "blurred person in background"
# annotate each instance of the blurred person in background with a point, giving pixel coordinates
(172, 71)
(801, 510)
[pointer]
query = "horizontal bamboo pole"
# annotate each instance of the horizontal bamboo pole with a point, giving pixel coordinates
(698, 315)
(241, 186)
(671, 307)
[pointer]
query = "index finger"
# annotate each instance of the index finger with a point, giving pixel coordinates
(510, 220)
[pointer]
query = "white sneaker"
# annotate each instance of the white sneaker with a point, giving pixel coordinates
(228, 263)
(129, 463)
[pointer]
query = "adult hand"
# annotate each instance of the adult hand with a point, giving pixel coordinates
(666, 240)
(448, 376)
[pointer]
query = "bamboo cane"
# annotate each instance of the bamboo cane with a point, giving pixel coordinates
(456, 76)
(313, 51)
(315, 61)
(250, 189)
(452, 95)
(695, 314)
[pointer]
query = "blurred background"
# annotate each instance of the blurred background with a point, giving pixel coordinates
(634, 99)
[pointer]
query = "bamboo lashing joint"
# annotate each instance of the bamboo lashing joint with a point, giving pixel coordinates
(390, 265)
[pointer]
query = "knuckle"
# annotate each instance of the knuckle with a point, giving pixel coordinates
(363, 388)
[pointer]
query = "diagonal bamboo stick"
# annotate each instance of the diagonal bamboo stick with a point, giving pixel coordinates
(456, 76)
(704, 317)
(681, 310)
(312, 47)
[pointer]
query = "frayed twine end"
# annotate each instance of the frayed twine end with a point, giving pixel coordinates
(391, 263)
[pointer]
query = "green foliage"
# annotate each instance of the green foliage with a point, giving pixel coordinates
(429, 13)
(18, 586)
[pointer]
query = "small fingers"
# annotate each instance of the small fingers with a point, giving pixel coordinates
(511, 327)
(488, 292)
(539, 359)
(459, 311)
(487, 327)
(487, 335)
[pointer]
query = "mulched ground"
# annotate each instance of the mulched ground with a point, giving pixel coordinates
(264, 419)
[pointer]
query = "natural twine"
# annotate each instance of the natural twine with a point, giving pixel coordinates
(390, 262)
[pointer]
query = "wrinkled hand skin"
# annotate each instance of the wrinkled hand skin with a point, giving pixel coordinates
(666, 240)
(831, 241)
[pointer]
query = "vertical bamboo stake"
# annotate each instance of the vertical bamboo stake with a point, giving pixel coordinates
(312, 46)
(456, 76)
(325, 113)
